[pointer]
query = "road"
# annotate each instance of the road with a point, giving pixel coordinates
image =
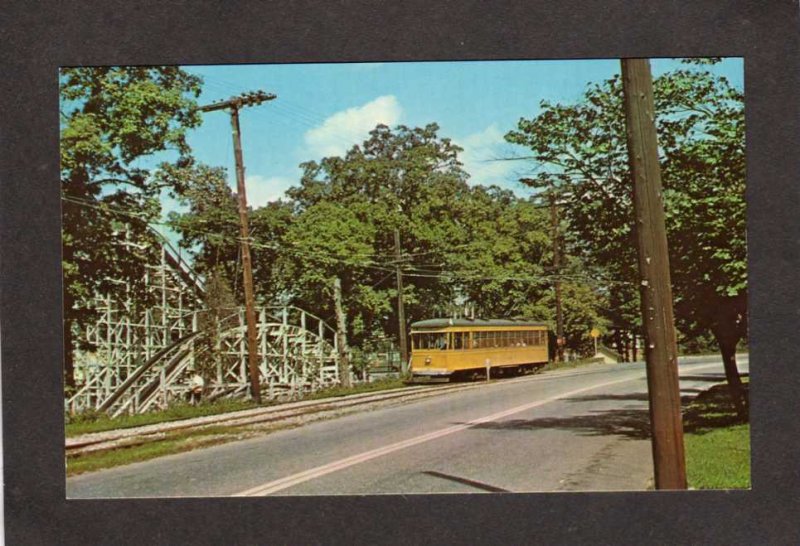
(584, 429)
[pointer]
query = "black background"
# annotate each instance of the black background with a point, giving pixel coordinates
(38, 37)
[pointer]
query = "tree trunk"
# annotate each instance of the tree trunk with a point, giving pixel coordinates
(628, 348)
(341, 334)
(626, 355)
(727, 341)
(619, 345)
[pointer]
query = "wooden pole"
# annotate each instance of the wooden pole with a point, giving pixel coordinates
(557, 282)
(401, 312)
(247, 266)
(656, 293)
(234, 104)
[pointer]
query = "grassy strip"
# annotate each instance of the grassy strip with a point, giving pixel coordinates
(89, 421)
(717, 442)
(177, 442)
(375, 386)
(180, 441)
(552, 365)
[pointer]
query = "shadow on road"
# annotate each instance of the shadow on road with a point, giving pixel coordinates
(713, 377)
(640, 396)
(633, 396)
(692, 390)
(630, 423)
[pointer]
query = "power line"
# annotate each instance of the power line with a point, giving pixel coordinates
(414, 271)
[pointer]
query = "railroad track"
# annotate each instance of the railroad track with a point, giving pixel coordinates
(113, 439)
(283, 413)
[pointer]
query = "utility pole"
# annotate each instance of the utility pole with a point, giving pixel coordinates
(234, 104)
(341, 334)
(553, 204)
(401, 312)
(656, 293)
(557, 271)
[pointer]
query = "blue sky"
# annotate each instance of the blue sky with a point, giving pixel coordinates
(323, 109)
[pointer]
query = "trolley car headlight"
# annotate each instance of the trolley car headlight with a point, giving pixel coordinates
(427, 360)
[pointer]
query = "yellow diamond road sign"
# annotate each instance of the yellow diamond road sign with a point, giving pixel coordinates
(595, 332)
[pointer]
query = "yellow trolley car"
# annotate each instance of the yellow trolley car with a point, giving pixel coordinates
(463, 348)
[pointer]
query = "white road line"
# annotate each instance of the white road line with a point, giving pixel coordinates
(313, 473)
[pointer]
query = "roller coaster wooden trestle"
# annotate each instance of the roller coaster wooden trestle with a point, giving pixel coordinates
(143, 360)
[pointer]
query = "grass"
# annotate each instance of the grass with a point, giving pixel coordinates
(182, 440)
(375, 386)
(91, 421)
(552, 365)
(717, 442)
(176, 442)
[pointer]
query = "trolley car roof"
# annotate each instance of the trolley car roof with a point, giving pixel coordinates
(448, 322)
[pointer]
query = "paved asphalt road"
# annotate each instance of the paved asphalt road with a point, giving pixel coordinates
(584, 429)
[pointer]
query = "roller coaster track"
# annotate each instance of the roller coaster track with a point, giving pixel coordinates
(145, 359)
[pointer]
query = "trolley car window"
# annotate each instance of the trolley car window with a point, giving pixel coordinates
(459, 340)
(430, 341)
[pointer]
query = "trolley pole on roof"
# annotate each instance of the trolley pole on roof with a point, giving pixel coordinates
(401, 312)
(234, 104)
(656, 293)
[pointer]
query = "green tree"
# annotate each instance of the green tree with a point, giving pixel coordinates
(110, 118)
(269, 226)
(700, 125)
(210, 225)
(220, 313)
(327, 241)
(460, 242)
(210, 228)
(404, 179)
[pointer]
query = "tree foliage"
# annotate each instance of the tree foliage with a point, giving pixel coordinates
(221, 312)
(700, 124)
(459, 242)
(110, 118)
(210, 226)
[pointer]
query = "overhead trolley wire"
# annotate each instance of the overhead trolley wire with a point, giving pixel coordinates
(412, 269)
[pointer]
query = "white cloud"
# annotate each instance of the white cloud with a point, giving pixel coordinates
(342, 130)
(481, 151)
(262, 190)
